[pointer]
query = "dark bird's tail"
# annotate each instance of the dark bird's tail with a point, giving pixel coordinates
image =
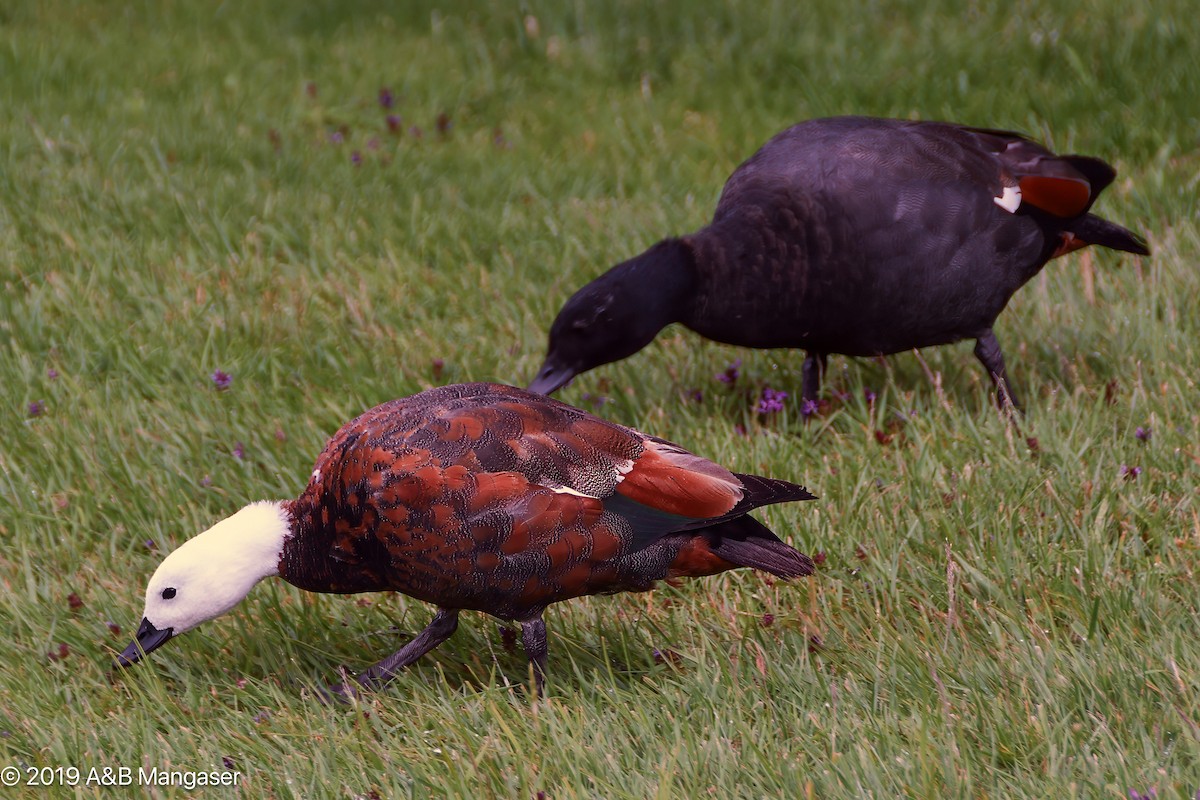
(1090, 229)
(759, 491)
(746, 542)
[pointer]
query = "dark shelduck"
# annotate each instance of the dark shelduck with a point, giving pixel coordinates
(483, 497)
(856, 236)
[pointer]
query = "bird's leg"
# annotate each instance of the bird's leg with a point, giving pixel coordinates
(533, 637)
(813, 371)
(444, 623)
(987, 350)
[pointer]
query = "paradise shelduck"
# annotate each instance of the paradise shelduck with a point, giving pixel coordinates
(851, 235)
(478, 496)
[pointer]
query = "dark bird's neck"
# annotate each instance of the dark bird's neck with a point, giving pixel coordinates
(317, 559)
(753, 280)
(657, 282)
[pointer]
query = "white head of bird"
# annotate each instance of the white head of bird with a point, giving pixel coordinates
(210, 574)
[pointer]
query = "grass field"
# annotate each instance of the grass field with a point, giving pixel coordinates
(1002, 611)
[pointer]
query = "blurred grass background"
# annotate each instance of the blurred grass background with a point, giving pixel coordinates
(190, 187)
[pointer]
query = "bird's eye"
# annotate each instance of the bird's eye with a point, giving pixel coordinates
(168, 593)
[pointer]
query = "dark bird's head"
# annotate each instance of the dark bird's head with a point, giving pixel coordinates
(617, 314)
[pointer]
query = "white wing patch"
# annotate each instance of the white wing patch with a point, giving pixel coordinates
(569, 490)
(1010, 201)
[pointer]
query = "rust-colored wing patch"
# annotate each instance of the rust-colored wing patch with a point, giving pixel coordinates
(1058, 195)
(673, 480)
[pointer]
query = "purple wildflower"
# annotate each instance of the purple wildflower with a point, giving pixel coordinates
(52, 374)
(394, 123)
(36, 408)
(740, 430)
(385, 97)
(336, 137)
(1152, 793)
(808, 408)
(731, 373)
(206, 481)
(666, 656)
(771, 401)
(1129, 473)
(1143, 434)
(597, 400)
(149, 544)
(768, 620)
(239, 451)
(228, 762)
(870, 396)
(221, 379)
(443, 124)
(356, 158)
(262, 716)
(696, 396)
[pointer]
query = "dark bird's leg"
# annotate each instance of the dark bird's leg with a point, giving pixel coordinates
(444, 623)
(813, 371)
(987, 350)
(533, 636)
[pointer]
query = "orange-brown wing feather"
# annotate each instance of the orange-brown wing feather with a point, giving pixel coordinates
(1060, 195)
(675, 481)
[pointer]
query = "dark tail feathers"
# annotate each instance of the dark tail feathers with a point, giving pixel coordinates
(760, 491)
(1098, 173)
(748, 543)
(1094, 230)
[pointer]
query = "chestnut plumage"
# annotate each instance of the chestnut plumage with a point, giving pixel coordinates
(484, 497)
(851, 235)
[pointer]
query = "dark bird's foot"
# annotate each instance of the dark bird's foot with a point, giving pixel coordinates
(987, 350)
(339, 694)
(533, 636)
(812, 371)
(351, 690)
(439, 630)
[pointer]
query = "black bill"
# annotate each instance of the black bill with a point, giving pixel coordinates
(551, 378)
(149, 638)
